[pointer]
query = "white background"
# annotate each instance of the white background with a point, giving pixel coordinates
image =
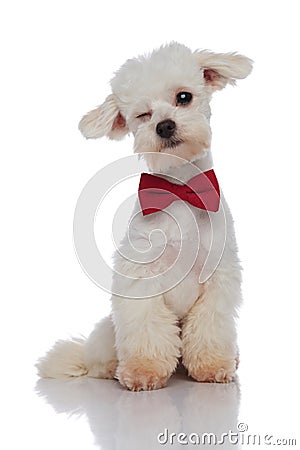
(56, 62)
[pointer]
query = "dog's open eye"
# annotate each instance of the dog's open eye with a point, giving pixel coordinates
(183, 98)
(144, 116)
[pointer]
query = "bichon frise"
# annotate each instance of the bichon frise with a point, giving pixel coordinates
(163, 100)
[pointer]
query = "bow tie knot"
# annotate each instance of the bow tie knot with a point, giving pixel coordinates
(201, 191)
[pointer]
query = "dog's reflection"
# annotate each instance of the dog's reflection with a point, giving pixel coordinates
(125, 420)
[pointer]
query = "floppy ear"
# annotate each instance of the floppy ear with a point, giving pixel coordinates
(222, 68)
(106, 120)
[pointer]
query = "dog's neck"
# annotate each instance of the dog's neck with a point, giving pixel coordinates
(187, 171)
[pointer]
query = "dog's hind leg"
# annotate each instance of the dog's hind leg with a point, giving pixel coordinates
(99, 353)
(94, 357)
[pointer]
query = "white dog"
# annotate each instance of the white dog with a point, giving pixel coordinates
(163, 99)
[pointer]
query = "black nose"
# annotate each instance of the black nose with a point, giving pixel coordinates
(166, 128)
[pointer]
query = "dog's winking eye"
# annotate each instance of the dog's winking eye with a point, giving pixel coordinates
(144, 116)
(183, 98)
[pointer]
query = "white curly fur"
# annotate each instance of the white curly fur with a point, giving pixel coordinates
(141, 341)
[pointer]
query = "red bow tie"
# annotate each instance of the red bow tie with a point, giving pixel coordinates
(202, 191)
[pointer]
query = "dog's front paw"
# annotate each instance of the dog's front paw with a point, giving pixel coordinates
(213, 372)
(141, 374)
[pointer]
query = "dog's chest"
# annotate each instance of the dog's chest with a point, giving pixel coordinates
(182, 297)
(181, 235)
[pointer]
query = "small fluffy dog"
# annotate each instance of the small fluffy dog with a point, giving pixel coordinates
(163, 100)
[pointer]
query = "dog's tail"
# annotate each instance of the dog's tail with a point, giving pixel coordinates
(65, 359)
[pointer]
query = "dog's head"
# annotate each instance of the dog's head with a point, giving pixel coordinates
(163, 99)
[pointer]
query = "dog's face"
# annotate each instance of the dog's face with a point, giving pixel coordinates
(163, 99)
